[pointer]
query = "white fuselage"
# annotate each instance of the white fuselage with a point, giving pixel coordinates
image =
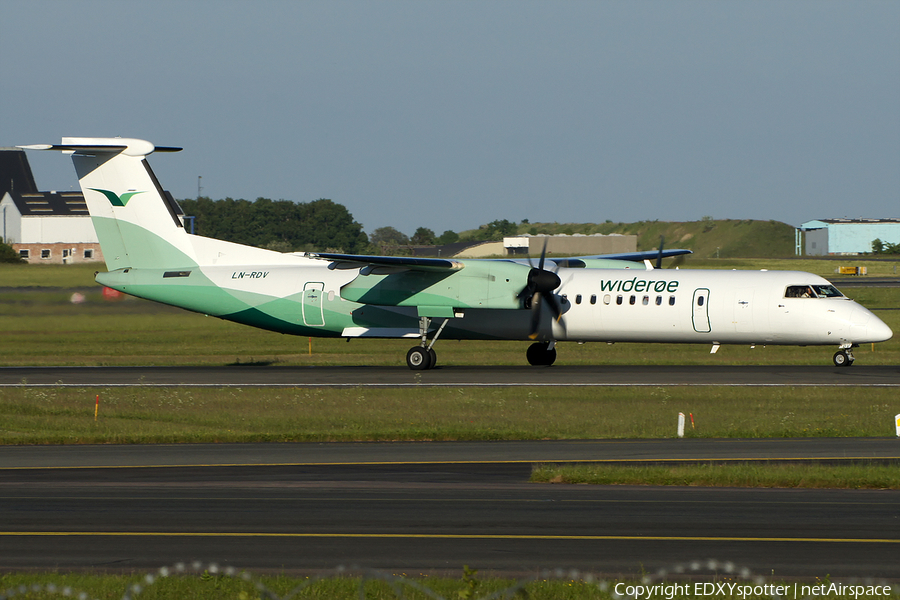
(697, 306)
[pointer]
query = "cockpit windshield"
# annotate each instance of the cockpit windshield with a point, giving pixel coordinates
(827, 291)
(812, 291)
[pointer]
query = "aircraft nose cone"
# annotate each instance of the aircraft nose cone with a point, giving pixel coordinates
(877, 330)
(866, 327)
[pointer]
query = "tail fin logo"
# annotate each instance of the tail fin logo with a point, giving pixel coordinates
(114, 199)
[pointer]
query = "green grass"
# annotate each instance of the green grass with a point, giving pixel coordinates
(171, 415)
(64, 276)
(855, 476)
(219, 587)
(387, 586)
(42, 327)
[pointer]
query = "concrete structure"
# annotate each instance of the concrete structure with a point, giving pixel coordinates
(571, 245)
(848, 236)
(482, 250)
(43, 227)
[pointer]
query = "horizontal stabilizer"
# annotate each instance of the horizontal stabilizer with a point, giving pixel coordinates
(127, 146)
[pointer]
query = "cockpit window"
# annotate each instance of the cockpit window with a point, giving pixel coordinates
(799, 291)
(827, 291)
(812, 291)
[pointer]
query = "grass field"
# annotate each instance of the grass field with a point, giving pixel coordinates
(855, 476)
(40, 326)
(169, 415)
(396, 586)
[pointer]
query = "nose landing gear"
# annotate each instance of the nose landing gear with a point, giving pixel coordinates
(843, 357)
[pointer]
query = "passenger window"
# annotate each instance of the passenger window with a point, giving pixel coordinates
(646, 300)
(631, 300)
(578, 299)
(594, 299)
(659, 300)
(671, 300)
(618, 299)
(606, 299)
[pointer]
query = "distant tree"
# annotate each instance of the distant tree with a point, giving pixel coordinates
(496, 230)
(387, 238)
(7, 254)
(448, 237)
(422, 237)
(879, 247)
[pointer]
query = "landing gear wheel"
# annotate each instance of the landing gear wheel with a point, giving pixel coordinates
(433, 356)
(842, 358)
(539, 354)
(419, 359)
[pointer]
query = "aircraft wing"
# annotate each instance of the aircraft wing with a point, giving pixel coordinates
(410, 263)
(601, 260)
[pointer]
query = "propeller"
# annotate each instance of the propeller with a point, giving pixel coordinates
(540, 285)
(659, 256)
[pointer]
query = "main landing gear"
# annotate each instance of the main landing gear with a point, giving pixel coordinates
(423, 356)
(843, 357)
(541, 354)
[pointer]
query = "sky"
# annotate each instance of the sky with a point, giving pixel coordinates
(449, 115)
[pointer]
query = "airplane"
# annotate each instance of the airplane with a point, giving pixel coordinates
(621, 298)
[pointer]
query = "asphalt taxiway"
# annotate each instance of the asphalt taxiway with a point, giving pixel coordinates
(454, 376)
(421, 506)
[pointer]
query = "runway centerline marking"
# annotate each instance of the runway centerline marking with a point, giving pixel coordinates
(442, 536)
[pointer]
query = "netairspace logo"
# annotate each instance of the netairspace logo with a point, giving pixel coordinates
(670, 591)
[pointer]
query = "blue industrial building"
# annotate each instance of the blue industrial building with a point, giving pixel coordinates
(848, 236)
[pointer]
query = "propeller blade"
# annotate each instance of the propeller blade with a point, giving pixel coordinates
(659, 256)
(677, 261)
(535, 315)
(543, 254)
(553, 304)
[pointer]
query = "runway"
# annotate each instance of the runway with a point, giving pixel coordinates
(421, 507)
(452, 376)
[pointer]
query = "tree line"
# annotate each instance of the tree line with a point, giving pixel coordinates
(880, 247)
(281, 225)
(321, 225)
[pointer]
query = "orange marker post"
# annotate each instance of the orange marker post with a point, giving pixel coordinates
(692, 420)
(96, 407)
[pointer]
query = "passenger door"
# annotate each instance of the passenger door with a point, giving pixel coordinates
(701, 310)
(313, 314)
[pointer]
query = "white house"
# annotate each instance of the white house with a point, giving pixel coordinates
(43, 227)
